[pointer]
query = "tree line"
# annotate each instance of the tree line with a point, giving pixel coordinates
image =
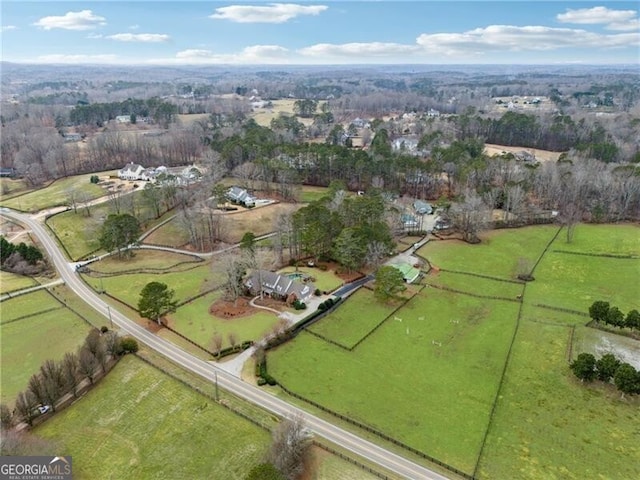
(22, 259)
(162, 112)
(607, 368)
(603, 313)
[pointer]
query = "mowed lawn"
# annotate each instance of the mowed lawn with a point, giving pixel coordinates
(28, 342)
(58, 193)
(140, 423)
(497, 255)
(622, 239)
(325, 280)
(78, 233)
(434, 398)
(356, 317)
(474, 285)
(549, 425)
(146, 259)
(194, 321)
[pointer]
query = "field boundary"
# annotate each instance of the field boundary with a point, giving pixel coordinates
(476, 295)
(603, 255)
(561, 309)
(479, 275)
(24, 317)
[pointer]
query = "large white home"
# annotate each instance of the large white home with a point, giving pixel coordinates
(131, 171)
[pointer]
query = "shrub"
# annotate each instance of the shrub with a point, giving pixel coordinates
(104, 329)
(94, 179)
(261, 381)
(318, 292)
(129, 345)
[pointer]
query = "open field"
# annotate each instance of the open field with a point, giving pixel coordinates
(497, 255)
(28, 342)
(353, 320)
(311, 194)
(11, 186)
(443, 409)
(194, 321)
(158, 429)
(56, 194)
(10, 282)
(541, 155)
(170, 234)
(549, 425)
(146, 260)
(542, 412)
(263, 116)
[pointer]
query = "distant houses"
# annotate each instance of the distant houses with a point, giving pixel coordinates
(131, 171)
(135, 172)
(422, 208)
(279, 286)
(123, 119)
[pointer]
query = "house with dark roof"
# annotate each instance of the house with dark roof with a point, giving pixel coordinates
(241, 196)
(279, 286)
(7, 172)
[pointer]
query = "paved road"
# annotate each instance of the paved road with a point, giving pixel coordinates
(323, 428)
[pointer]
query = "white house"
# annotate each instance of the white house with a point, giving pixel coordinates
(433, 113)
(123, 119)
(131, 171)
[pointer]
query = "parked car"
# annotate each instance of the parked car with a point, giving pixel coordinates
(442, 225)
(44, 408)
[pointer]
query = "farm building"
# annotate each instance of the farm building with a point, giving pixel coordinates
(279, 286)
(409, 273)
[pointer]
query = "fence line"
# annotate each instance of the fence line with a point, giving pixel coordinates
(560, 309)
(479, 275)
(476, 295)
(24, 317)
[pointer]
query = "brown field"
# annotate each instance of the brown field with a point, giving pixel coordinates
(260, 220)
(263, 116)
(541, 155)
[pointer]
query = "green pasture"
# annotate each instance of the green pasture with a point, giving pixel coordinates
(497, 255)
(311, 194)
(127, 287)
(434, 398)
(11, 186)
(146, 259)
(576, 281)
(56, 194)
(28, 342)
(140, 423)
(325, 280)
(359, 314)
(531, 313)
(78, 233)
(194, 321)
(622, 239)
(10, 282)
(549, 425)
(475, 285)
(27, 304)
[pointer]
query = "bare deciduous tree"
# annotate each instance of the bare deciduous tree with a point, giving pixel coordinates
(290, 447)
(216, 343)
(87, 364)
(470, 216)
(70, 371)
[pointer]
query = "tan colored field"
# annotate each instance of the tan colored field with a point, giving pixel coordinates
(260, 220)
(541, 155)
(187, 120)
(263, 116)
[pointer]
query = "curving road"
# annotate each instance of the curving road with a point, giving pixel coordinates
(359, 446)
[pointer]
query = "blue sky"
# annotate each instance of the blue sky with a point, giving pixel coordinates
(309, 32)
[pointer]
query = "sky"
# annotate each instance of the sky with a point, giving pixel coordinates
(171, 32)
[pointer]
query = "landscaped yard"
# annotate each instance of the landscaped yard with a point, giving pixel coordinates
(325, 280)
(28, 342)
(140, 423)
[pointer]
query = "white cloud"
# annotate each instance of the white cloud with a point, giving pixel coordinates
(372, 49)
(613, 19)
(272, 13)
(6, 28)
(507, 37)
(139, 37)
(254, 54)
(83, 20)
(78, 59)
(134, 27)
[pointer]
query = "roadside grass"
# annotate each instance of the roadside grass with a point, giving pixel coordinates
(127, 287)
(10, 282)
(359, 314)
(158, 428)
(576, 281)
(443, 409)
(474, 285)
(331, 467)
(195, 322)
(549, 425)
(78, 233)
(498, 254)
(146, 259)
(28, 342)
(327, 281)
(620, 239)
(56, 194)
(27, 304)
(11, 186)
(170, 234)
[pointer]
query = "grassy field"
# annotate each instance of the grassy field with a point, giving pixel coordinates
(443, 409)
(56, 194)
(195, 321)
(28, 342)
(353, 320)
(158, 429)
(10, 186)
(549, 425)
(10, 282)
(171, 234)
(311, 194)
(497, 255)
(146, 259)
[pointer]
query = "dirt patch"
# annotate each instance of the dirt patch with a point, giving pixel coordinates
(228, 309)
(340, 272)
(540, 155)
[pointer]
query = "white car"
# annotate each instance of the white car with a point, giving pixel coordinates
(44, 408)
